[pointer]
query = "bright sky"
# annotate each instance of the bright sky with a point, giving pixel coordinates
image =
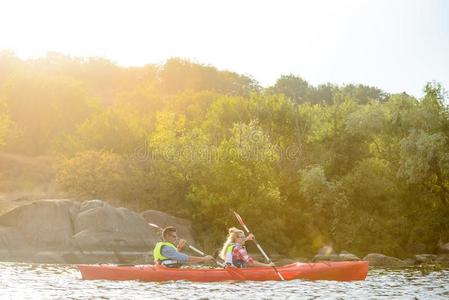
(395, 45)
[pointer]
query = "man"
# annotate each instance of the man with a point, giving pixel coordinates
(167, 254)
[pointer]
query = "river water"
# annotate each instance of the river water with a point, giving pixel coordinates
(36, 281)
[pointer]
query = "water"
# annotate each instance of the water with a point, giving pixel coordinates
(31, 281)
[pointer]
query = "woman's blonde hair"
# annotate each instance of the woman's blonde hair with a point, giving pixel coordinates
(233, 234)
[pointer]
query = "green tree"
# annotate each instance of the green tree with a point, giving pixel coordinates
(97, 174)
(425, 160)
(376, 210)
(5, 124)
(242, 177)
(325, 204)
(180, 75)
(361, 94)
(119, 129)
(293, 87)
(43, 109)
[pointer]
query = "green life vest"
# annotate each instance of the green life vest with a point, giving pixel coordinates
(230, 260)
(158, 257)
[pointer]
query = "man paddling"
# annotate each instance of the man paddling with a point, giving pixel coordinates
(167, 254)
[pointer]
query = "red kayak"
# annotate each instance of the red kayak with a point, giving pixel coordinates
(340, 271)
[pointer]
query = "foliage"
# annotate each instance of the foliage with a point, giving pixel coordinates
(304, 165)
(44, 108)
(91, 174)
(5, 124)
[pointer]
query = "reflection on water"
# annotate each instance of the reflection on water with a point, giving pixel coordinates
(25, 281)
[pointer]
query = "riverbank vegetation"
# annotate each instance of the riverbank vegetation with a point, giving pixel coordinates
(305, 165)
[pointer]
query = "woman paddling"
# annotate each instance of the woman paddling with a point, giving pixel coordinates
(234, 251)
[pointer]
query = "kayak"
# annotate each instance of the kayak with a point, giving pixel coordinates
(339, 271)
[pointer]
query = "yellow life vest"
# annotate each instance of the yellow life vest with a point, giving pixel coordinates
(158, 257)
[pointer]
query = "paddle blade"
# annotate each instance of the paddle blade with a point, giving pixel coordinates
(239, 219)
(155, 226)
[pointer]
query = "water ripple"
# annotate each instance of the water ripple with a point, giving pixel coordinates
(32, 281)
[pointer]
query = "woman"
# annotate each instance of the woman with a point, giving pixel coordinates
(234, 251)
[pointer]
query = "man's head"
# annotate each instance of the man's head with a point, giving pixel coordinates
(169, 234)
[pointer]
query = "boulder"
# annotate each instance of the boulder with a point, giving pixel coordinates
(344, 256)
(99, 226)
(443, 247)
(108, 241)
(44, 223)
(48, 257)
(380, 260)
(326, 250)
(348, 256)
(410, 261)
(332, 257)
(442, 259)
(5, 255)
(11, 239)
(425, 258)
(183, 226)
(65, 231)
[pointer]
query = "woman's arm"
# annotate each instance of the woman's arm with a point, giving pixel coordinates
(255, 263)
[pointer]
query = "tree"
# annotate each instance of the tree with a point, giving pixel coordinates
(361, 94)
(293, 87)
(5, 124)
(97, 174)
(119, 129)
(324, 202)
(425, 160)
(180, 75)
(242, 176)
(44, 108)
(377, 209)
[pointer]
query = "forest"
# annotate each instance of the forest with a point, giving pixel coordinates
(348, 165)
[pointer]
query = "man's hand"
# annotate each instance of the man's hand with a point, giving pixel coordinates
(181, 244)
(208, 258)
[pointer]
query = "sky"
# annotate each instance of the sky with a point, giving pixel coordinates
(396, 45)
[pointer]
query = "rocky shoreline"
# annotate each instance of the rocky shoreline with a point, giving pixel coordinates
(65, 231)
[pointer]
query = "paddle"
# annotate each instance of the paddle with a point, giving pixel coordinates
(257, 244)
(190, 246)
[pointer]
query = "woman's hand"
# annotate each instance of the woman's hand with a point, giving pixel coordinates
(250, 237)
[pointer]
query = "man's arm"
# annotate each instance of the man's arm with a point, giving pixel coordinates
(182, 257)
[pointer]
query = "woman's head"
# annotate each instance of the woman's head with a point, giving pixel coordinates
(236, 235)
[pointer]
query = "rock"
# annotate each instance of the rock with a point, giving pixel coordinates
(11, 239)
(72, 257)
(48, 257)
(409, 261)
(183, 226)
(4, 255)
(332, 257)
(380, 260)
(442, 259)
(348, 256)
(326, 253)
(65, 231)
(99, 226)
(443, 247)
(326, 250)
(111, 241)
(44, 223)
(425, 258)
